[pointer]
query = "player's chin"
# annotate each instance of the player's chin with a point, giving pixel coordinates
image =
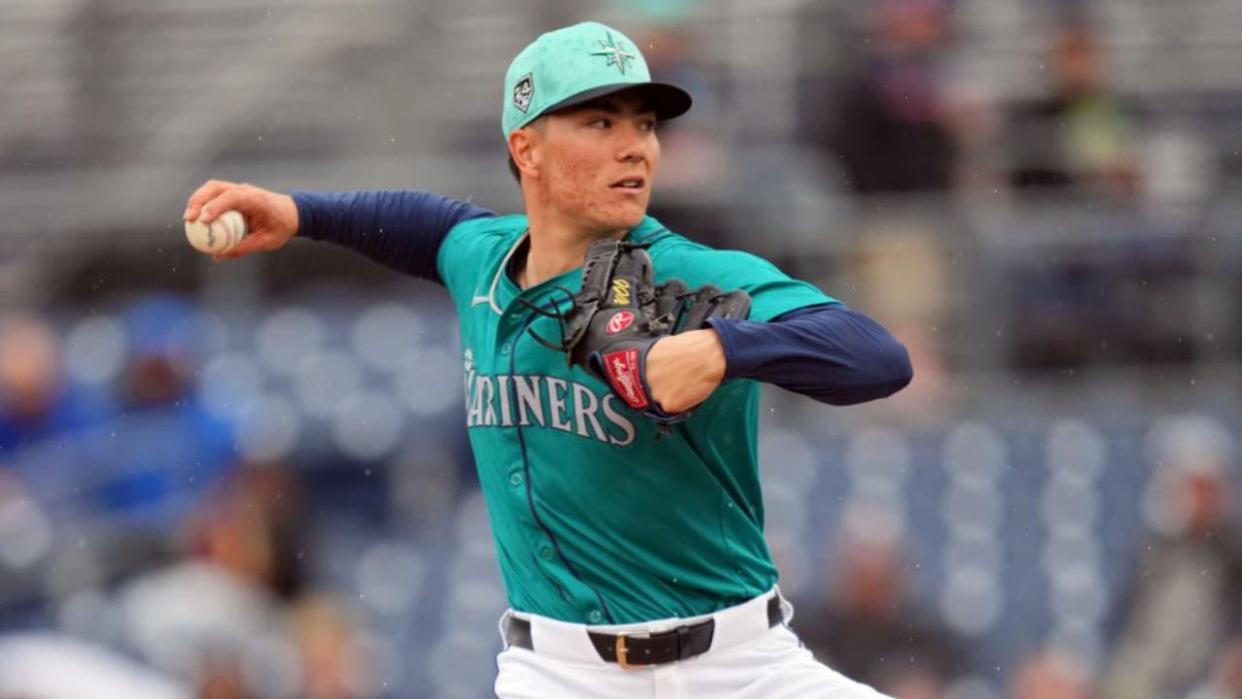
(626, 220)
(628, 214)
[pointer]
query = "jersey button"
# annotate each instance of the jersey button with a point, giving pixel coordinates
(546, 552)
(504, 349)
(595, 616)
(515, 479)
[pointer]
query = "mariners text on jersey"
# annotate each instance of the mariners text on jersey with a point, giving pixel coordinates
(544, 401)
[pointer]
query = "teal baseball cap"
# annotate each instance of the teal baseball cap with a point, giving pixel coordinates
(576, 64)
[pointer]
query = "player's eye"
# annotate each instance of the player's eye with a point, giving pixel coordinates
(600, 122)
(647, 125)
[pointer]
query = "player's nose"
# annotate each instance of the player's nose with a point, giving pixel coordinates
(635, 145)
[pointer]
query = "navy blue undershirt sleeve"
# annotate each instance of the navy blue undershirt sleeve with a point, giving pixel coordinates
(827, 352)
(399, 229)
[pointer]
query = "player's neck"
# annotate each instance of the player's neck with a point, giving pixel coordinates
(554, 250)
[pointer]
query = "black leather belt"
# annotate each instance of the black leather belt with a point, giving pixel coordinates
(649, 649)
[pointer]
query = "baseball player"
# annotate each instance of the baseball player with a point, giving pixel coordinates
(611, 374)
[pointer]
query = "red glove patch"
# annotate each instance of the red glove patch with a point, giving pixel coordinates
(622, 368)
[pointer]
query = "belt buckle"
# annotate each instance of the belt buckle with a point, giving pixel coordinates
(623, 654)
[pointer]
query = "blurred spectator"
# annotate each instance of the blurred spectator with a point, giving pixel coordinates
(252, 630)
(36, 402)
(245, 565)
(1116, 302)
(693, 163)
(870, 628)
(891, 128)
(220, 676)
(333, 663)
(170, 448)
(1226, 680)
(1187, 595)
(254, 526)
(1049, 674)
(902, 276)
(1080, 135)
(117, 472)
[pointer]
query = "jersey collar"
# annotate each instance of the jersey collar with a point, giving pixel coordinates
(503, 289)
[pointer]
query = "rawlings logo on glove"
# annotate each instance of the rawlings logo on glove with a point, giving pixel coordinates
(620, 322)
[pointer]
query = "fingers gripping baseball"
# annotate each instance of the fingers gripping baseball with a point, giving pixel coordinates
(271, 217)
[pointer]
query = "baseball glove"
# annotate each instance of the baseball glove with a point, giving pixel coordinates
(619, 314)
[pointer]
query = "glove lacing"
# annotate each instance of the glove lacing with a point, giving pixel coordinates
(556, 313)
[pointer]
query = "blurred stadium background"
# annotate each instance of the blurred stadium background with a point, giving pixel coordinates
(251, 479)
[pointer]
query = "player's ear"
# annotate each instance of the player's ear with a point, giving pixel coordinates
(524, 149)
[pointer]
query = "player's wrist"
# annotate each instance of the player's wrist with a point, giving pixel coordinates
(717, 361)
(708, 352)
(720, 327)
(287, 209)
(303, 212)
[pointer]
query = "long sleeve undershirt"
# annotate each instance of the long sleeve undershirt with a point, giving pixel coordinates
(831, 353)
(828, 352)
(400, 229)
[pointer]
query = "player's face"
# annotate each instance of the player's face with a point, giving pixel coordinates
(601, 159)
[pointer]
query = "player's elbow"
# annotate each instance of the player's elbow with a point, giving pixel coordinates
(884, 370)
(893, 369)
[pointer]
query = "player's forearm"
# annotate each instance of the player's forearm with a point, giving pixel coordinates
(399, 229)
(830, 353)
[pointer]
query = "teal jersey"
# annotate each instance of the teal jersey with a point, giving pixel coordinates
(595, 520)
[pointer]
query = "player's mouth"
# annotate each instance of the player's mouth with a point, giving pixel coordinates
(632, 184)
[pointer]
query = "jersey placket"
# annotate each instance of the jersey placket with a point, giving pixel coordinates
(512, 339)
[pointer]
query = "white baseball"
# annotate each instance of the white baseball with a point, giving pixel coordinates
(223, 235)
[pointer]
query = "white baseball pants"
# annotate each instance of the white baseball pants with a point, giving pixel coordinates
(747, 660)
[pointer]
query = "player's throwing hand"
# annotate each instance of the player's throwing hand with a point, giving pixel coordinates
(271, 218)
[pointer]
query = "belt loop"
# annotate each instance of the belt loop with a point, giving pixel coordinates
(682, 632)
(503, 625)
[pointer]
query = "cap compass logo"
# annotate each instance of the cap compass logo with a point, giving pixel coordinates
(616, 53)
(523, 92)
